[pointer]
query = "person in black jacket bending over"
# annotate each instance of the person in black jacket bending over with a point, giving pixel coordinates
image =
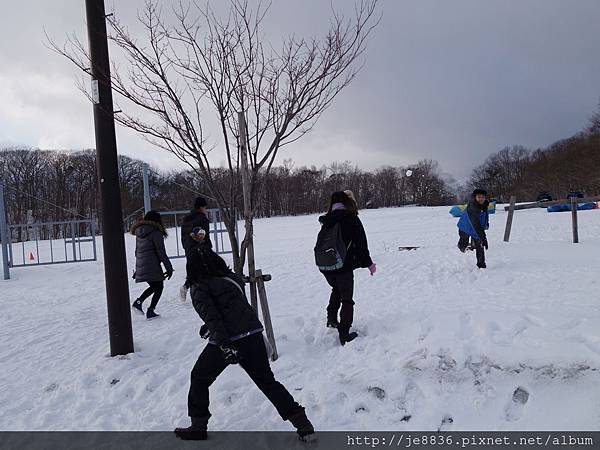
(150, 251)
(473, 223)
(235, 337)
(197, 218)
(343, 213)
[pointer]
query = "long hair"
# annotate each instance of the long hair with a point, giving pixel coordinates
(154, 216)
(341, 197)
(203, 263)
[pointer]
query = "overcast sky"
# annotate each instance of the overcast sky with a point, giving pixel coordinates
(448, 80)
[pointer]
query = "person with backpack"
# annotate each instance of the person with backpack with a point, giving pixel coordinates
(472, 225)
(197, 218)
(150, 252)
(235, 337)
(340, 249)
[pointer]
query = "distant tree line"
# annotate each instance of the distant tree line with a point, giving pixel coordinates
(62, 185)
(571, 164)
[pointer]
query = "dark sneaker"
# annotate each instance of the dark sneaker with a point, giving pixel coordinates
(189, 434)
(303, 426)
(137, 306)
(332, 323)
(150, 314)
(195, 432)
(347, 336)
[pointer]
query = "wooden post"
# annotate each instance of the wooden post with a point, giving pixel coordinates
(574, 205)
(247, 209)
(509, 218)
(264, 306)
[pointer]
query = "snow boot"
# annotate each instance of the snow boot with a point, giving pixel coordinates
(150, 314)
(137, 306)
(482, 266)
(346, 335)
(332, 323)
(303, 426)
(195, 432)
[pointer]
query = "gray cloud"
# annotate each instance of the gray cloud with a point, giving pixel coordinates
(452, 81)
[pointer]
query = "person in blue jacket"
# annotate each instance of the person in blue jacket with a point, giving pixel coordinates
(473, 223)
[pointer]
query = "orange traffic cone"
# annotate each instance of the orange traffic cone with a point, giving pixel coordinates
(31, 257)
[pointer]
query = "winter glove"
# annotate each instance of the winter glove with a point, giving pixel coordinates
(373, 269)
(230, 354)
(484, 242)
(204, 332)
(168, 274)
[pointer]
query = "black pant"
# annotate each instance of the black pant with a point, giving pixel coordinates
(463, 243)
(156, 288)
(254, 361)
(342, 291)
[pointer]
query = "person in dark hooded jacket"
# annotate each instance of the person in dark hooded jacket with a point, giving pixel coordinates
(150, 252)
(197, 218)
(473, 224)
(343, 211)
(235, 337)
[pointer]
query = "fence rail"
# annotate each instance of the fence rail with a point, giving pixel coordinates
(36, 243)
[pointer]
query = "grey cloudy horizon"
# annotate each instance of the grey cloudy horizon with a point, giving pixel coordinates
(449, 81)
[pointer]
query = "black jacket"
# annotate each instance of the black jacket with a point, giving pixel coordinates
(149, 251)
(221, 303)
(192, 220)
(474, 211)
(353, 234)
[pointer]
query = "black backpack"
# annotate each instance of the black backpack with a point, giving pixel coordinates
(330, 249)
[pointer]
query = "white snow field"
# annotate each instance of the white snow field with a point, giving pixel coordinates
(438, 337)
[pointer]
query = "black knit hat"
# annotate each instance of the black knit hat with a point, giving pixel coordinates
(479, 191)
(153, 216)
(200, 202)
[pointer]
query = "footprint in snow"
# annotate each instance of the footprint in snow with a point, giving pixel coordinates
(573, 323)
(514, 409)
(446, 422)
(378, 392)
(51, 387)
(411, 398)
(413, 360)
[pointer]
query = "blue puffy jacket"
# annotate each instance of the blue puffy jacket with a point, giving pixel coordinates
(475, 219)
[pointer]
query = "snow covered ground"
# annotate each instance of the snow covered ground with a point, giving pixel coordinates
(438, 338)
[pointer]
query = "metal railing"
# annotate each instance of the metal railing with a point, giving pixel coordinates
(36, 243)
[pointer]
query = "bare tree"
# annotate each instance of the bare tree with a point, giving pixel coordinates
(195, 60)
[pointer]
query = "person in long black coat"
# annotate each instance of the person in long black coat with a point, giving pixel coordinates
(197, 218)
(235, 337)
(343, 210)
(150, 252)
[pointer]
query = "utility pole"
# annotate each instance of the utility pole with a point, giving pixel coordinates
(146, 182)
(4, 234)
(113, 240)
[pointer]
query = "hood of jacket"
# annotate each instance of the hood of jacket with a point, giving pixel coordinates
(143, 228)
(329, 220)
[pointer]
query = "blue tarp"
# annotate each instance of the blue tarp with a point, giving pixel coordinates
(567, 207)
